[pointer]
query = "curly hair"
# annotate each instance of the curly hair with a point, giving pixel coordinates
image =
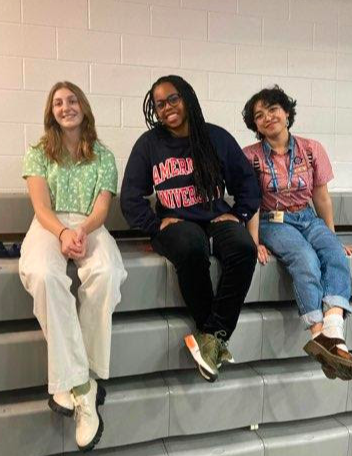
(269, 97)
(52, 142)
(206, 163)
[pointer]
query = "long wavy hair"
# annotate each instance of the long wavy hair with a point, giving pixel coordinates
(206, 163)
(52, 140)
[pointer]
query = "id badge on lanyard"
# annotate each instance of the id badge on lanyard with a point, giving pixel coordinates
(277, 216)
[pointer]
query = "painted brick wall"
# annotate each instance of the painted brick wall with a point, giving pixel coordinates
(227, 49)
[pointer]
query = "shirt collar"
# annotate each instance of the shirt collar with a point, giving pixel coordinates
(267, 148)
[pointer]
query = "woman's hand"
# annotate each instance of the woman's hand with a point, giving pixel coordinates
(263, 254)
(225, 218)
(348, 249)
(169, 221)
(71, 246)
(81, 240)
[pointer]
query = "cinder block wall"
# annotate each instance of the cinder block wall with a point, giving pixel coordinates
(227, 49)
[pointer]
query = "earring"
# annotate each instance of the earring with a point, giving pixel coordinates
(287, 122)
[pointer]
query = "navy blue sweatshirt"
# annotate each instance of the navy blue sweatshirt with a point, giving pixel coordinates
(162, 162)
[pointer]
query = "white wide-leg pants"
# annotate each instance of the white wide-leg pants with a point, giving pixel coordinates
(78, 337)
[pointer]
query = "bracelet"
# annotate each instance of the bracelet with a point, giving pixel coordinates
(63, 229)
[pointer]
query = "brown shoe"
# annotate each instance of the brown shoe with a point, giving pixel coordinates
(324, 350)
(329, 372)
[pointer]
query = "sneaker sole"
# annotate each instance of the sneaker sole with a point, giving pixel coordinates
(96, 438)
(203, 374)
(100, 400)
(329, 372)
(55, 407)
(230, 361)
(343, 368)
(205, 370)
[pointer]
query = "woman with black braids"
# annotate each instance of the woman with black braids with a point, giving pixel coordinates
(189, 163)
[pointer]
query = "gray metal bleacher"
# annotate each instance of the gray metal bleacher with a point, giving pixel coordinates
(157, 404)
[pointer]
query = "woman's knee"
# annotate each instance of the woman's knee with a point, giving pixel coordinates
(304, 261)
(186, 243)
(102, 275)
(245, 250)
(335, 255)
(41, 274)
(194, 252)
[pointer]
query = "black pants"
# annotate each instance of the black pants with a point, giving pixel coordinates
(186, 245)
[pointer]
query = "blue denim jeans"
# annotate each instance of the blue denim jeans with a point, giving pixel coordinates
(315, 259)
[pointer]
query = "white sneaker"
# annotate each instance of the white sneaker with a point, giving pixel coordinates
(62, 403)
(89, 424)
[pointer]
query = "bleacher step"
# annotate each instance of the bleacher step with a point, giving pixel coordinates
(156, 448)
(139, 346)
(323, 436)
(178, 403)
(197, 406)
(143, 289)
(298, 389)
(151, 283)
(152, 341)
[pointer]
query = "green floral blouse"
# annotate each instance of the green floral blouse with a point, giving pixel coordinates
(74, 186)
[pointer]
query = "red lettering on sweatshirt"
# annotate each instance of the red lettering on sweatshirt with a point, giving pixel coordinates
(165, 171)
(156, 176)
(180, 197)
(166, 199)
(177, 196)
(172, 167)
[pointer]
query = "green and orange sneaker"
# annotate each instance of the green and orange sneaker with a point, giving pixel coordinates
(225, 356)
(205, 349)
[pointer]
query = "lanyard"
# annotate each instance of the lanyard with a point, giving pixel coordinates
(269, 162)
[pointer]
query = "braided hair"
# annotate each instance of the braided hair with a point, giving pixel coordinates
(206, 163)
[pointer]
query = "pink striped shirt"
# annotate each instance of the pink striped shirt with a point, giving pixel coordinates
(312, 168)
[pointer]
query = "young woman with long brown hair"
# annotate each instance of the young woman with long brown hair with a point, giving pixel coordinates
(71, 178)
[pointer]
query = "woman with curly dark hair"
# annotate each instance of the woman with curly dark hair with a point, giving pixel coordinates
(293, 171)
(189, 163)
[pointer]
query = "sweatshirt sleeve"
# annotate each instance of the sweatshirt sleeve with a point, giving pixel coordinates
(241, 182)
(137, 184)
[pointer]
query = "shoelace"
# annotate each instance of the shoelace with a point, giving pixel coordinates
(219, 335)
(218, 341)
